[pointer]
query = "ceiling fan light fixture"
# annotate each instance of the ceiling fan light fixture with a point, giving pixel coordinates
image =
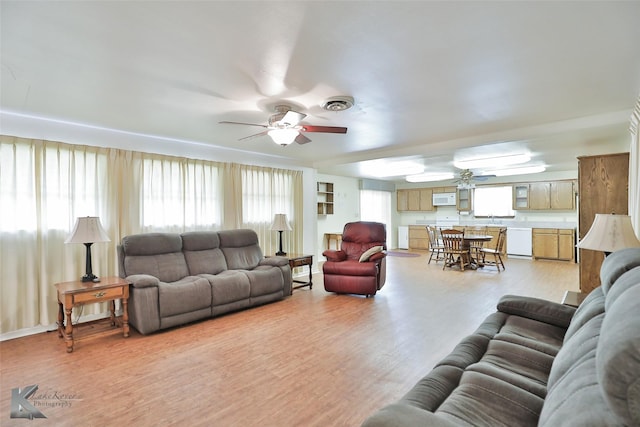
(429, 177)
(338, 103)
(283, 137)
(517, 171)
(489, 162)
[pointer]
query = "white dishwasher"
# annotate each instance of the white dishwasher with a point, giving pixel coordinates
(403, 237)
(519, 241)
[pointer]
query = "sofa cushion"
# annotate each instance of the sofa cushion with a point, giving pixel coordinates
(616, 264)
(618, 353)
(169, 267)
(265, 280)
(188, 294)
(228, 286)
(240, 248)
(592, 306)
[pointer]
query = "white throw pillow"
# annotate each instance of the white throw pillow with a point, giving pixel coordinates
(367, 254)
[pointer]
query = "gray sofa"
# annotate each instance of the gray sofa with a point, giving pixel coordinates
(536, 362)
(180, 278)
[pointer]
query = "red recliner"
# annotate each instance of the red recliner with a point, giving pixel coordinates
(346, 271)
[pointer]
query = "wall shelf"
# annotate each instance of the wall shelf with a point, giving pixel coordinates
(325, 198)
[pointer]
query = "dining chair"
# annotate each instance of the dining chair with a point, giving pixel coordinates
(435, 245)
(495, 253)
(455, 251)
(476, 246)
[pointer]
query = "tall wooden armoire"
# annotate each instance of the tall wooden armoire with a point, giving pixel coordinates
(603, 186)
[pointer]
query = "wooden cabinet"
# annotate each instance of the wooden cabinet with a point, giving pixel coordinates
(325, 198)
(520, 196)
(464, 201)
(554, 195)
(415, 200)
(418, 237)
(553, 243)
(603, 187)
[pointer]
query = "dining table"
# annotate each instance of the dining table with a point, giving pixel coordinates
(467, 239)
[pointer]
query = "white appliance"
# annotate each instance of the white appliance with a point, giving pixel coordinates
(403, 237)
(519, 241)
(444, 199)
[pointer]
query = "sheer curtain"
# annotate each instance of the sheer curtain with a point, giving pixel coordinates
(45, 186)
(376, 206)
(634, 166)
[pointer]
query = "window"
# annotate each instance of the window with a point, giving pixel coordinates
(493, 201)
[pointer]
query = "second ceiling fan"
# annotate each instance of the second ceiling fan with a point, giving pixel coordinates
(284, 127)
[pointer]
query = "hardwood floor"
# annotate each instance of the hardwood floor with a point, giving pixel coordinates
(314, 359)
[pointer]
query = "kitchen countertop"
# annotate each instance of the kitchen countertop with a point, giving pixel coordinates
(507, 223)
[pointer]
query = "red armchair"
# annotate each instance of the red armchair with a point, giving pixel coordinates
(347, 271)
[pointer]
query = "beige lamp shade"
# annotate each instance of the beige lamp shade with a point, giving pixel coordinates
(280, 223)
(609, 233)
(88, 230)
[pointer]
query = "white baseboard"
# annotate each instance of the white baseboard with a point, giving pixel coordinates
(49, 328)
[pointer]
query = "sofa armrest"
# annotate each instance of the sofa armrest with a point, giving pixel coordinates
(537, 309)
(404, 415)
(335, 256)
(143, 280)
(275, 261)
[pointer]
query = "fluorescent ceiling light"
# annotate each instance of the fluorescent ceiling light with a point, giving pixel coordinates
(384, 168)
(428, 177)
(283, 136)
(488, 162)
(516, 171)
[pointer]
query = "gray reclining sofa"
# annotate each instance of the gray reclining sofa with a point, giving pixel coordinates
(540, 363)
(180, 278)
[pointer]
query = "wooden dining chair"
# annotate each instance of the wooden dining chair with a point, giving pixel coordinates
(495, 253)
(476, 246)
(435, 245)
(455, 251)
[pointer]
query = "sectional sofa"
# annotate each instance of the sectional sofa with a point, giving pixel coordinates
(539, 363)
(181, 278)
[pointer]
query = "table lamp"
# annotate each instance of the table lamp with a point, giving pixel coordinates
(280, 224)
(87, 231)
(609, 233)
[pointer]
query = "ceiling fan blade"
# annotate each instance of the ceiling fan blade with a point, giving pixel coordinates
(325, 129)
(255, 135)
(292, 118)
(242, 123)
(301, 139)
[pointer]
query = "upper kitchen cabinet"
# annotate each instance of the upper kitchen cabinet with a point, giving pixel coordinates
(415, 200)
(554, 195)
(464, 201)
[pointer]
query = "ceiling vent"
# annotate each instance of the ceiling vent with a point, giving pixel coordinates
(338, 103)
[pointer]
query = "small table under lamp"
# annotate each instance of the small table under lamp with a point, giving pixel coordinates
(280, 224)
(609, 233)
(87, 231)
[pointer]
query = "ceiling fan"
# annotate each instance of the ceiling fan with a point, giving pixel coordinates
(284, 127)
(467, 177)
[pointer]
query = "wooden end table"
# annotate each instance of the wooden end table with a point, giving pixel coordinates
(573, 299)
(72, 294)
(299, 260)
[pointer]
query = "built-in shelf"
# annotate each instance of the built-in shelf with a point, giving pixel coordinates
(325, 198)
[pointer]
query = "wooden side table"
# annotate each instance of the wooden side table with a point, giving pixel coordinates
(337, 237)
(573, 299)
(72, 294)
(299, 260)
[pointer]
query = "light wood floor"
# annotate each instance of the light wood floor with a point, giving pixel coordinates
(314, 359)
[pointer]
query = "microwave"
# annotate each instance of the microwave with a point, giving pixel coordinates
(444, 199)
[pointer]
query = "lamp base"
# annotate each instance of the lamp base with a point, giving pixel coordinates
(90, 278)
(280, 253)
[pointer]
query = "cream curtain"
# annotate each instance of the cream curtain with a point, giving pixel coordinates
(634, 169)
(45, 186)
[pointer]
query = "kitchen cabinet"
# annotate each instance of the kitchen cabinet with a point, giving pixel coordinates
(415, 200)
(554, 195)
(603, 187)
(418, 237)
(464, 201)
(553, 243)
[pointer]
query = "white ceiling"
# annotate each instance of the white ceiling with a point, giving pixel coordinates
(431, 80)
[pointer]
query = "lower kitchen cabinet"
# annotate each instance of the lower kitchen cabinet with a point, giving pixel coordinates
(554, 243)
(418, 237)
